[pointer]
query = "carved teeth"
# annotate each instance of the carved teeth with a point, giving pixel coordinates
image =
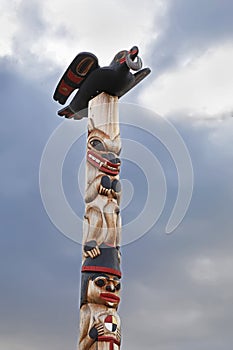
(94, 158)
(103, 165)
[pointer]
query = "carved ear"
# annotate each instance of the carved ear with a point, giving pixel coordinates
(91, 125)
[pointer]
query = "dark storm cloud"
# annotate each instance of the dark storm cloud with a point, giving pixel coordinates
(34, 298)
(189, 29)
(180, 296)
(163, 305)
(177, 310)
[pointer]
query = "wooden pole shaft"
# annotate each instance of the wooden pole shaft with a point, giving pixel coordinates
(100, 288)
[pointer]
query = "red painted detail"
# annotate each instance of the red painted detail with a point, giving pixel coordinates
(73, 77)
(110, 340)
(108, 319)
(102, 163)
(133, 52)
(122, 60)
(64, 88)
(101, 269)
(112, 298)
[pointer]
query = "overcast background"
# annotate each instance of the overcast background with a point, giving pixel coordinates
(178, 288)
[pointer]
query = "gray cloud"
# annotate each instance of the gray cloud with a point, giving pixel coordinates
(31, 249)
(188, 29)
(177, 289)
(180, 308)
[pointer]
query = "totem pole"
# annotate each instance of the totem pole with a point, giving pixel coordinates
(97, 99)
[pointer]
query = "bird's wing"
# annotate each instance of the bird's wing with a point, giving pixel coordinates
(139, 76)
(83, 64)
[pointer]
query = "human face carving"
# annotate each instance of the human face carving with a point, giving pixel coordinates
(104, 289)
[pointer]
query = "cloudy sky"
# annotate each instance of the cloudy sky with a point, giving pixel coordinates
(177, 288)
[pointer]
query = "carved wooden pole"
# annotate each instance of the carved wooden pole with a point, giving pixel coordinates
(100, 288)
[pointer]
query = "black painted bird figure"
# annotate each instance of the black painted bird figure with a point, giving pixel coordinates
(85, 74)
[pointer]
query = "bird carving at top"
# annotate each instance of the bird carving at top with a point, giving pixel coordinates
(85, 74)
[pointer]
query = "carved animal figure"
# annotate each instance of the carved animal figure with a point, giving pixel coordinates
(100, 289)
(102, 222)
(85, 74)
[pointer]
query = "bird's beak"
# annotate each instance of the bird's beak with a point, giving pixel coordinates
(133, 52)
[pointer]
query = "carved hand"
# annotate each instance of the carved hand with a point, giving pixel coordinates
(91, 249)
(118, 334)
(96, 331)
(93, 253)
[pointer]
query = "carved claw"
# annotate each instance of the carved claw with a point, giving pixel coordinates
(91, 250)
(105, 186)
(108, 187)
(104, 191)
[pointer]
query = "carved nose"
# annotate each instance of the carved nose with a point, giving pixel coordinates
(110, 287)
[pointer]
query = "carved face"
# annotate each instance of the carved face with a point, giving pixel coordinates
(120, 57)
(103, 152)
(104, 289)
(101, 142)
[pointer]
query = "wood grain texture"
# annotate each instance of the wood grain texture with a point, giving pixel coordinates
(100, 289)
(102, 219)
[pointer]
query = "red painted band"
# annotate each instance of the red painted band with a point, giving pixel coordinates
(122, 60)
(73, 77)
(101, 269)
(109, 339)
(65, 89)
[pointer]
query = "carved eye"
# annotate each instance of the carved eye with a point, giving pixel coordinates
(100, 282)
(97, 144)
(118, 286)
(120, 56)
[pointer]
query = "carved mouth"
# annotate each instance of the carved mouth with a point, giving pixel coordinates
(103, 164)
(111, 298)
